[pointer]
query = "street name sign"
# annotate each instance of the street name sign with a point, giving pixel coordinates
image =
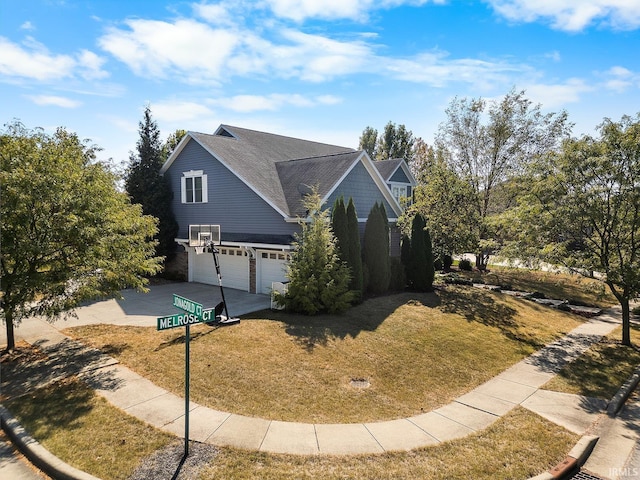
(187, 305)
(184, 319)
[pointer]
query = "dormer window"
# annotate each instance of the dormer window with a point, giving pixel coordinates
(194, 187)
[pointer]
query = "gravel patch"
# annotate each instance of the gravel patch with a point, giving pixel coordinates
(167, 463)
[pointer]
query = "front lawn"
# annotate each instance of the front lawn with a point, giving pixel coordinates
(417, 351)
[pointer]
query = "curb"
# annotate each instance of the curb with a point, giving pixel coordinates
(623, 393)
(573, 461)
(36, 453)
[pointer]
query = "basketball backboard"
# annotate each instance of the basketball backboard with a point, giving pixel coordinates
(204, 235)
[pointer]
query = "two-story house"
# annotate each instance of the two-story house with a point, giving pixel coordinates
(252, 183)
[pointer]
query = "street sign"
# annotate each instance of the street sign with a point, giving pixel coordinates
(184, 319)
(187, 305)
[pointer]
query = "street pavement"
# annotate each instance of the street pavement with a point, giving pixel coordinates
(14, 466)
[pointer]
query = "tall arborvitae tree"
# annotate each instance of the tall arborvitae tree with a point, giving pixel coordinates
(376, 250)
(416, 271)
(430, 270)
(339, 225)
(355, 252)
(147, 187)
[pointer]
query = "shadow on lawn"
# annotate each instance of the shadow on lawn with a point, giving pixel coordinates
(479, 306)
(312, 331)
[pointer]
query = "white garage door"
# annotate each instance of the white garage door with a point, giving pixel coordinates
(271, 267)
(234, 267)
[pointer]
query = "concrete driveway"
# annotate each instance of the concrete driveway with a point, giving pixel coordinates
(142, 309)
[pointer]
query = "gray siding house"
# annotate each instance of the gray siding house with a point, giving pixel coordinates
(252, 184)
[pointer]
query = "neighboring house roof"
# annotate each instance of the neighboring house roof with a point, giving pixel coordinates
(280, 169)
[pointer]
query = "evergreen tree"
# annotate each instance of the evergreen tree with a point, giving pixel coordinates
(405, 251)
(430, 270)
(376, 250)
(318, 280)
(147, 187)
(355, 252)
(339, 225)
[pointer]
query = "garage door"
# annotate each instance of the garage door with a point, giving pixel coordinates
(271, 267)
(234, 267)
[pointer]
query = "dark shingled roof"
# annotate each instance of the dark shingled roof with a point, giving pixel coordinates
(275, 165)
(387, 167)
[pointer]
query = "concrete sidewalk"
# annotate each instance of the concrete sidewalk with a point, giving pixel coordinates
(476, 410)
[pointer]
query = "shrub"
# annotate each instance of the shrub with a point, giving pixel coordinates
(465, 265)
(447, 261)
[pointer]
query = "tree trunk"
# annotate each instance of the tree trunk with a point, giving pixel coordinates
(626, 322)
(11, 341)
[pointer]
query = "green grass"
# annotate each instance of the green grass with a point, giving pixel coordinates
(575, 288)
(418, 351)
(84, 430)
(601, 370)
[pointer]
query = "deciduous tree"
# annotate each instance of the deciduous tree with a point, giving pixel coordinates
(583, 210)
(489, 142)
(67, 233)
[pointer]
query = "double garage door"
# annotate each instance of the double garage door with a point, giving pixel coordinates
(234, 267)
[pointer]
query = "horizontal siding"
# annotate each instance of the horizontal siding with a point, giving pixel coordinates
(361, 187)
(232, 204)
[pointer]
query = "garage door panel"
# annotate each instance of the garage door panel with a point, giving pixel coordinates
(234, 268)
(272, 268)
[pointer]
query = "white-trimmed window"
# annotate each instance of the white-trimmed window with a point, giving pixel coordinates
(194, 187)
(398, 191)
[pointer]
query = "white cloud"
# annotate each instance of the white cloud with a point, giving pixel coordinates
(27, 26)
(620, 79)
(186, 49)
(275, 101)
(559, 94)
(300, 10)
(437, 70)
(572, 15)
(53, 100)
(34, 62)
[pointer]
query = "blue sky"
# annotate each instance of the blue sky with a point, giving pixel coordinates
(321, 70)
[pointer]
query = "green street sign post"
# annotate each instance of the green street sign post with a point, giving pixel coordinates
(192, 313)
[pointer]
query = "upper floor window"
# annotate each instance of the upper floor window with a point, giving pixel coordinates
(398, 191)
(194, 187)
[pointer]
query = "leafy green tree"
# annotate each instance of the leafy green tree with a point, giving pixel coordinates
(445, 201)
(490, 142)
(147, 187)
(376, 250)
(583, 210)
(355, 251)
(395, 142)
(68, 235)
(318, 279)
(171, 143)
(369, 142)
